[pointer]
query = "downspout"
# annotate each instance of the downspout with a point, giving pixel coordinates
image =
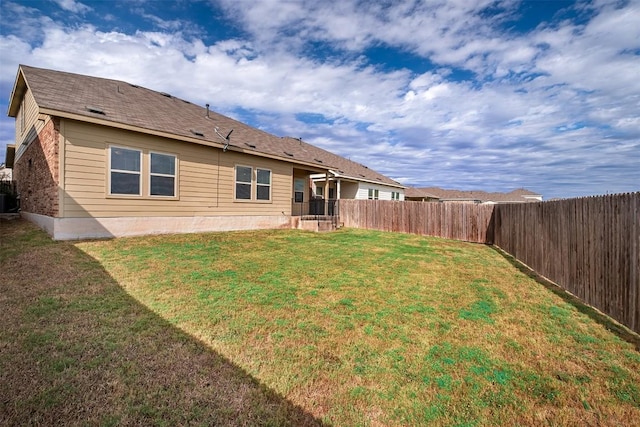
(217, 180)
(326, 193)
(336, 208)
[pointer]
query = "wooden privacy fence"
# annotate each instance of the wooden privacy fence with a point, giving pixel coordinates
(588, 246)
(460, 221)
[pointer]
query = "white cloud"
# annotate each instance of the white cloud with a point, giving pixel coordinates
(72, 6)
(545, 106)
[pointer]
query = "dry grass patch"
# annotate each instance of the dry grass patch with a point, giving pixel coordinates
(370, 328)
(76, 349)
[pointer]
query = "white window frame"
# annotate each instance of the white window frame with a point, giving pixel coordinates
(236, 182)
(139, 173)
(258, 184)
(253, 195)
(373, 194)
(174, 176)
(297, 190)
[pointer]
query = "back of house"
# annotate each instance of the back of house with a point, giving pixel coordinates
(97, 158)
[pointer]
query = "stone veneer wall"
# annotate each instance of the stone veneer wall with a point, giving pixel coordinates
(37, 172)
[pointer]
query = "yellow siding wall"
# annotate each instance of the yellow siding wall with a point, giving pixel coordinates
(206, 177)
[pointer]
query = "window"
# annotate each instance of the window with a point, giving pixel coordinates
(243, 182)
(395, 195)
(246, 181)
(162, 175)
(374, 194)
(319, 191)
(124, 172)
(132, 170)
(298, 190)
(263, 187)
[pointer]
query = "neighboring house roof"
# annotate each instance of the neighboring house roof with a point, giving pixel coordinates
(516, 196)
(418, 193)
(128, 106)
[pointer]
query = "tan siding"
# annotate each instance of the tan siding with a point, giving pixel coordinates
(78, 159)
(28, 112)
(82, 179)
(204, 188)
(281, 179)
(85, 152)
(85, 168)
(30, 115)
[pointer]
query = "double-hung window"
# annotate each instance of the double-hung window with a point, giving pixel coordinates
(263, 184)
(243, 182)
(373, 194)
(298, 190)
(395, 195)
(162, 179)
(125, 171)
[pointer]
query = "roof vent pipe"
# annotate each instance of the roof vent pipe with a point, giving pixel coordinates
(207, 110)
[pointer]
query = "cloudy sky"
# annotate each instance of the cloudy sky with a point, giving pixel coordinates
(461, 94)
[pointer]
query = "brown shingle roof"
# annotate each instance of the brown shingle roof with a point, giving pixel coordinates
(415, 193)
(514, 196)
(121, 104)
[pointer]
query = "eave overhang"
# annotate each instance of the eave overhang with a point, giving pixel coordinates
(193, 140)
(10, 156)
(17, 93)
(337, 174)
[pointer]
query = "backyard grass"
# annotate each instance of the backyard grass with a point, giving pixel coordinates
(291, 328)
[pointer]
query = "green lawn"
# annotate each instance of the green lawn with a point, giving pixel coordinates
(287, 327)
